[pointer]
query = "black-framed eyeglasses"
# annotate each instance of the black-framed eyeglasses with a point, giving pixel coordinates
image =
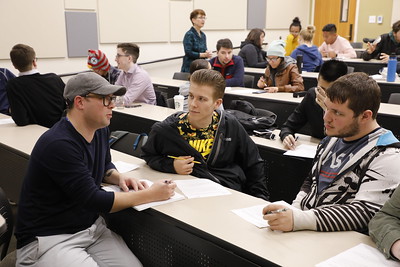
(118, 55)
(107, 100)
(272, 59)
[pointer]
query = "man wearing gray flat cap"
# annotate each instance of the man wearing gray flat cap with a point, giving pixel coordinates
(58, 215)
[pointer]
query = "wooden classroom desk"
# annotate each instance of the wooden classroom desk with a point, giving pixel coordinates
(16, 144)
(205, 232)
(310, 80)
(200, 231)
(283, 104)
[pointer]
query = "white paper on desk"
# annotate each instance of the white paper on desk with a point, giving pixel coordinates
(123, 167)
(304, 151)
(6, 121)
(196, 188)
(361, 255)
(116, 188)
(254, 214)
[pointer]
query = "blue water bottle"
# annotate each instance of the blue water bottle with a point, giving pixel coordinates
(391, 71)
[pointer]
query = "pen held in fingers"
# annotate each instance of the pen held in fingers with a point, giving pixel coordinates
(276, 211)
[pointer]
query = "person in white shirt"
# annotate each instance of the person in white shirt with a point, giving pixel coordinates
(335, 45)
(135, 79)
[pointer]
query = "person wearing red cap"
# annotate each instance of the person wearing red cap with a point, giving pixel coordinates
(98, 62)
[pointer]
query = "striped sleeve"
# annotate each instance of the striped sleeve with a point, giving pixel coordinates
(354, 216)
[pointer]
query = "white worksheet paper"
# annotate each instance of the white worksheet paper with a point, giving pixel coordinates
(196, 188)
(176, 197)
(304, 151)
(361, 255)
(123, 167)
(254, 214)
(6, 121)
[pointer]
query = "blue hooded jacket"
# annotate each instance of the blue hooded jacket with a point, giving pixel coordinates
(312, 58)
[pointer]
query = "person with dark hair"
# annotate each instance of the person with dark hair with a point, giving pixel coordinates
(98, 62)
(335, 45)
(133, 77)
(197, 64)
(292, 40)
(34, 98)
(59, 222)
(195, 42)
(389, 43)
(5, 76)
(312, 58)
(209, 143)
(251, 49)
(355, 168)
(281, 74)
(308, 111)
(229, 65)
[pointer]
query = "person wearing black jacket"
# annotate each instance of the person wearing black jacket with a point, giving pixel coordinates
(251, 49)
(207, 143)
(308, 111)
(389, 43)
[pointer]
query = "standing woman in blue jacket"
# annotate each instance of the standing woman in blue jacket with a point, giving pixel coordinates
(195, 42)
(251, 49)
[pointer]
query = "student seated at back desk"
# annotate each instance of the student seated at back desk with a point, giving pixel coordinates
(229, 65)
(34, 98)
(312, 58)
(196, 64)
(308, 111)
(251, 49)
(384, 45)
(281, 74)
(207, 143)
(98, 62)
(355, 169)
(292, 40)
(133, 77)
(335, 45)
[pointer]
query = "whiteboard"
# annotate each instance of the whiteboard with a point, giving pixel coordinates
(224, 15)
(26, 22)
(133, 21)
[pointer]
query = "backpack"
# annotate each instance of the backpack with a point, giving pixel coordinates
(252, 118)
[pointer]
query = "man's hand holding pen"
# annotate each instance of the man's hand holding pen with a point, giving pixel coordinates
(290, 142)
(279, 217)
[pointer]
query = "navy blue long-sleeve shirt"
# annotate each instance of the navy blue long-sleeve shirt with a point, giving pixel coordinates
(233, 72)
(61, 191)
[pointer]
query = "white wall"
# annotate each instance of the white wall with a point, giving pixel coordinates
(170, 47)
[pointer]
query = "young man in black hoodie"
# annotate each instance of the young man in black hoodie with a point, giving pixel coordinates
(207, 143)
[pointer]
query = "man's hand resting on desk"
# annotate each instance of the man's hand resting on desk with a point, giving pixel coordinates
(126, 183)
(184, 165)
(279, 217)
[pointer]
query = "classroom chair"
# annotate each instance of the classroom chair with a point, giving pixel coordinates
(184, 76)
(129, 143)
(248, 81)
(394, 98)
